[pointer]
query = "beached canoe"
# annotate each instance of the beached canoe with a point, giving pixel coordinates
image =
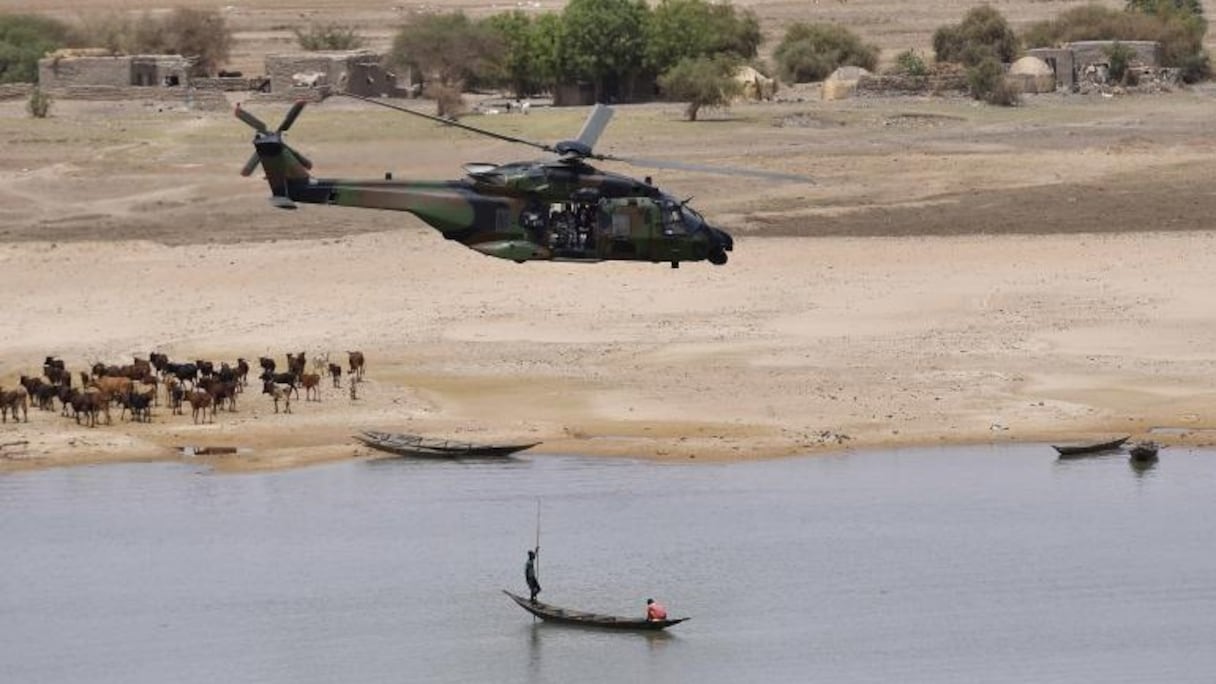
(402, 444)
(1073, 450)
(566, 616)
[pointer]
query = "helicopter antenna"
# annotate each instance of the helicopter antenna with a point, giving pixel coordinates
(450, 122)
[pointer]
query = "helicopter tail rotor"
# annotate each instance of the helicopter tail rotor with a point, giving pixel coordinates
(282, 164)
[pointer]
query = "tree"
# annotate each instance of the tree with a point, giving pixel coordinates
(603, 41)
(679, 29)
(811, 52)
(702, 82)
(446, 51)
(527, 59)
(982, 33)
(24, 39)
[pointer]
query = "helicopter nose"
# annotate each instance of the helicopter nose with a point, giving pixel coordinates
(723, 239)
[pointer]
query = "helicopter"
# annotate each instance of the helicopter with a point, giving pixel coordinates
(561, 209)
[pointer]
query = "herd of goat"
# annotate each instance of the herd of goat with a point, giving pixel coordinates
(202, 385)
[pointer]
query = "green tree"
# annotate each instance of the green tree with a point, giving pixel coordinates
(695, 28)
(446, 51)
(526, 63)
(702, 82)
(603, 41)
(328, 37)
(982, 33)
(24, 39)
(811, 52)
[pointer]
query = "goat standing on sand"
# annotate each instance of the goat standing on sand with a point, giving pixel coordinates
(14, 399)
(356, 364)
(335, 372)
(278, 393)
(312, 386)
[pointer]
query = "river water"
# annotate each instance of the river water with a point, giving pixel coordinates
(991, 564)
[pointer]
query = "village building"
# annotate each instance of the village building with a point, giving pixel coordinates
(360, 72)
(1086, 59)
(70, 68)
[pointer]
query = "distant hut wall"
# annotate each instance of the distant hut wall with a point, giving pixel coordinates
(62, 72)
(359, 72)
(1086, 52)
(112, 71)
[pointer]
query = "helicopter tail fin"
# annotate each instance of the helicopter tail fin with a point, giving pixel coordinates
(284, 167)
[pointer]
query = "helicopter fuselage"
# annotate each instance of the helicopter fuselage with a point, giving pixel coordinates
(537, 211)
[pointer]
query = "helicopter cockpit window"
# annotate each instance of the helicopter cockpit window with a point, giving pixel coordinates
(675, 222)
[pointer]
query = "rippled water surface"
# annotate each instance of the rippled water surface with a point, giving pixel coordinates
(958, 565)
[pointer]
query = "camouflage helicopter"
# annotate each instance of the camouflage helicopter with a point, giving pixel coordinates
(562, 209)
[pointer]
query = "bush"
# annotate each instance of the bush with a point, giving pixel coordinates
(811, 52)
(39, 104)
(24, 39)
(328, 37)
(702, 82)
(1120, 58)
(983, 33)
(987, 82)
(910, 62)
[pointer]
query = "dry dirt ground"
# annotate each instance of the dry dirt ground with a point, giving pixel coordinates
(957, 273)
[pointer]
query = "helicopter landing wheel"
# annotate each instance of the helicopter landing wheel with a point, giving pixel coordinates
(717, 257)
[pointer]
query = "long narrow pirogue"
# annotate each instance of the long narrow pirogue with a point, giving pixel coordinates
(550, 613)
(425, 447)
(1085, 449)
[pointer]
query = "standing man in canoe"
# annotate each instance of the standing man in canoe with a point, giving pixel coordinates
(530, 574)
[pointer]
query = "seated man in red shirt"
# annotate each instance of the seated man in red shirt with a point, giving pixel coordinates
(655, 610)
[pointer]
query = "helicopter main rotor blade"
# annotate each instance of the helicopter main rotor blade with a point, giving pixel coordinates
(708, 168)
(257, 124)
(594, 127)
(292, 114)
(251, 165)
(449, 122)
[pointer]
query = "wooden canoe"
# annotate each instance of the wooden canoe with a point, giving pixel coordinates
(402, 444)
(566, 616)
(1086, 449)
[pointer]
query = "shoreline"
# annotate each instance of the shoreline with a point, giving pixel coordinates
(885, 344)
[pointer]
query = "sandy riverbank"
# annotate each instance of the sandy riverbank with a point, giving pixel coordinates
(799, 346)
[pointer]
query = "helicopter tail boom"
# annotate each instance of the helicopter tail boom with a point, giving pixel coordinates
(283, 166)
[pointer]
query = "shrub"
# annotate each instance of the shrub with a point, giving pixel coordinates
(910, 62)
(328, 37)
(39, 104)
(1120, 58)
(24, 39)
(987, 82)
(983, 33)
(811, 52)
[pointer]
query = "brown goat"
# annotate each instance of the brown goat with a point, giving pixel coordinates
(200, 401)
(335, 372)
(311, 382)
(14, 399)
(356, 364)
